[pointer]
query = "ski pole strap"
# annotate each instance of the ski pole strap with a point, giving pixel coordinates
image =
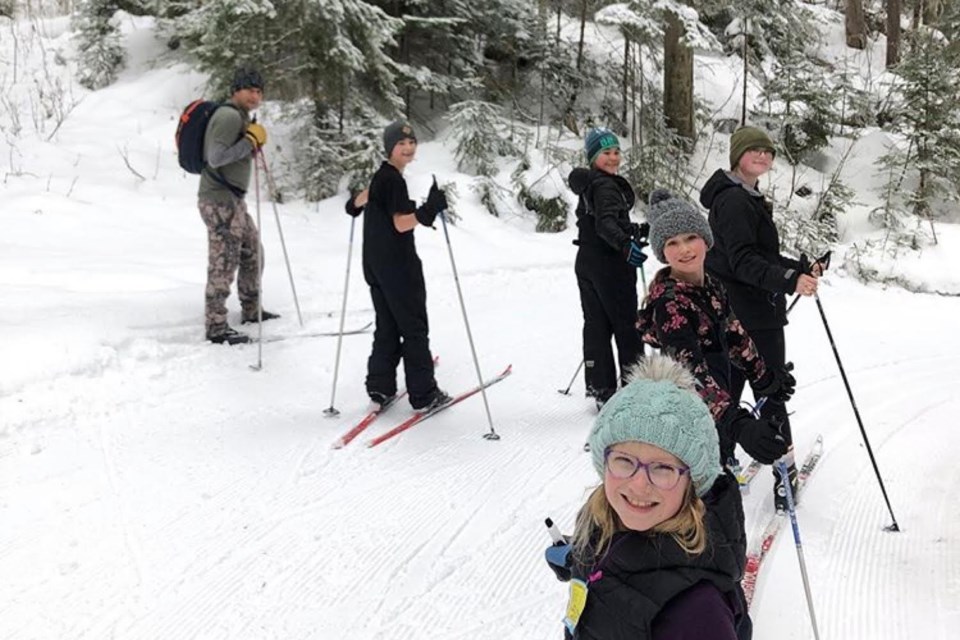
(218, 177)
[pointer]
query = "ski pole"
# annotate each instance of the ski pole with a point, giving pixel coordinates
(823, 261)
(566, 391)
(793, 303)
(256, 191)
(781, 467)
(492, 434)
(856, 412)
(331, 411)
(283, 245)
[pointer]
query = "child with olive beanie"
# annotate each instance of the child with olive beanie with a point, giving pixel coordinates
(686, 314)
(659, 547)
(746, 258)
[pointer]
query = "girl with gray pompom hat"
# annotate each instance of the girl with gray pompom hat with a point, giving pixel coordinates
(686, 314)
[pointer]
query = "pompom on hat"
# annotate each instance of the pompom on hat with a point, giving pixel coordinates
(671, 216)
(660, 407)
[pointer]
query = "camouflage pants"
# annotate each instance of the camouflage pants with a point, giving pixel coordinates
(232, 243)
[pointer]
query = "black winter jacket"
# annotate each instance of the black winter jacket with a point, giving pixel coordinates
(603, 213)
(746, 253)
(641, 574)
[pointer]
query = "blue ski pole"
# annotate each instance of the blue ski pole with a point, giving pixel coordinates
(792, 510)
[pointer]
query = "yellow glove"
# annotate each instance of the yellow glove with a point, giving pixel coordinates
(256, 134)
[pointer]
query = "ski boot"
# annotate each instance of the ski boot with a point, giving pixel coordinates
(229, 335)
(252, 319)
(437, 399)
(382, 399)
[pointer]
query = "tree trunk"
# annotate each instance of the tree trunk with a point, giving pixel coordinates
(677, 79)
(931, 11)
(559, 14)
(917, 14)
(626, 76)
(893, 33)
(583, 28)
(856, 24)
(746, 70)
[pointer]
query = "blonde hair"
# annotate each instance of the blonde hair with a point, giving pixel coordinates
(598, 521)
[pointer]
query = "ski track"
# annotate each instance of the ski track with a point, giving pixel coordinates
(238, 542)
(858, 571)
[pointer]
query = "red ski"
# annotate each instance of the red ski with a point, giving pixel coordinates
(420, 416)
(349, 436)
(756, 556)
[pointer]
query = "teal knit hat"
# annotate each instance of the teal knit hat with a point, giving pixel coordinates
(660, 407)
(598, 140)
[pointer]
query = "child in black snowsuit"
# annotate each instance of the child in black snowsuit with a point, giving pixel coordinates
(394, 273)
(611, 250)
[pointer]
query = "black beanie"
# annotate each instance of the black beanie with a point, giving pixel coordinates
(246, 78)
(394, 133)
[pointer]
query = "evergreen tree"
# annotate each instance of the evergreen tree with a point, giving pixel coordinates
(100, 55)
(483, 135)
(797, 104)
(328, 58)
(928, 118)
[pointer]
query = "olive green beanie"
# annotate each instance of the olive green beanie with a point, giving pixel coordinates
(746, 138)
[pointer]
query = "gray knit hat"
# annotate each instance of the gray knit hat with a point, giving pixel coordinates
(660, 407)
(670, 216)
(246, 78)
(394, 133)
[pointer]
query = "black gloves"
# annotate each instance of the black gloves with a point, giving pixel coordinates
(759, 437)
(352, 209)
(426, 214)
(640, 231)
(776, 384)
(436, 198)
(436, 202)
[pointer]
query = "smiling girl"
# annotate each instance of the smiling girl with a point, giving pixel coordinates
(686, 314)
(658, 549)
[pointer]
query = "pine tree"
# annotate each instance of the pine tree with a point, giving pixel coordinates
(483, 135)
(928, 118)
(328, 59)
(100, 55)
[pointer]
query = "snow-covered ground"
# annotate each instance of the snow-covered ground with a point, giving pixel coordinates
(154, 486)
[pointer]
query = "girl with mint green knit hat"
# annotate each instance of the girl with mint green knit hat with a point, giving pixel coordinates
(659, 546)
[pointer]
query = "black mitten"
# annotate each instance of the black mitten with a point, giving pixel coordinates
(759, 437)
(776, 384)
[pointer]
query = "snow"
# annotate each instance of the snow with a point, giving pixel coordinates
(154, 486)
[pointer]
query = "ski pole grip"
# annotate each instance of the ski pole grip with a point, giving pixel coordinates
(555, 534)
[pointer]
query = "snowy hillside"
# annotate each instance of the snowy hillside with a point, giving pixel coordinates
(154, 486)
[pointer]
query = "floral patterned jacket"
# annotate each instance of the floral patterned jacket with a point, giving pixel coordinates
(695, 325)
